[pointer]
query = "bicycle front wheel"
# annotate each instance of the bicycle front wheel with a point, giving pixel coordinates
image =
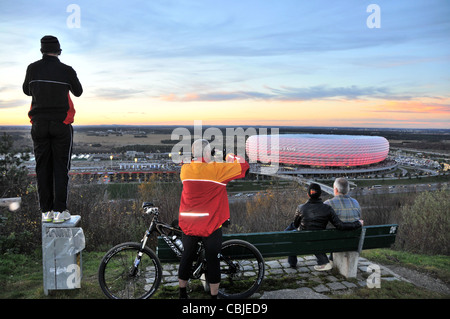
(124, 275)
(241, 268)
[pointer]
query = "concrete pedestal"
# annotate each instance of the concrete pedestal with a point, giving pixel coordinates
(61, 254)
(347, 263)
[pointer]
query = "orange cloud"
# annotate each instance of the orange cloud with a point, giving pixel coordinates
(431, 107)
(186, 98)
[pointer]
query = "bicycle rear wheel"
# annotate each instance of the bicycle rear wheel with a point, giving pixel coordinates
(121, 277)
(241, 268)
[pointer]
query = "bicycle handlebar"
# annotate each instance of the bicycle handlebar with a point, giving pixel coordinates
(147, 204)
(149, 208)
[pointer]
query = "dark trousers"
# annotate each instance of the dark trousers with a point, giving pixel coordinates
(52, 143)
(322, 258)
(213, 246)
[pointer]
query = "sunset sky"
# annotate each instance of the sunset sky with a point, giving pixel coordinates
(238, 62)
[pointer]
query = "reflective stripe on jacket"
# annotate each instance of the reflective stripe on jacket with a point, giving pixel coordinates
(204, 201)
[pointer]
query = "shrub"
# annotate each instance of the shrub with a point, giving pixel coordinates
(271, 210)
(425, 223)
(20, 230)
(13, 173)
(105, 222)
(165, 195)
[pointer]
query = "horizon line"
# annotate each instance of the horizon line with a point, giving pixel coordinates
(231, 125)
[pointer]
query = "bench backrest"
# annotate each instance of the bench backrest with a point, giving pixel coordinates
(287, 243)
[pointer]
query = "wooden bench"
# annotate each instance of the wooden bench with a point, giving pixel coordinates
(345, 245)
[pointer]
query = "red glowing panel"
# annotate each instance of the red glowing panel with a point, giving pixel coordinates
(318, 149)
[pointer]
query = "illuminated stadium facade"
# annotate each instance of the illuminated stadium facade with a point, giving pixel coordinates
(319, 150)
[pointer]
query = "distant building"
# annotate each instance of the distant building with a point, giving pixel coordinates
(134, 154)
(319, 150)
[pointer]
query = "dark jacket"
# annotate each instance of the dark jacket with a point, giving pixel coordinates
(314, 214)
(48, 81)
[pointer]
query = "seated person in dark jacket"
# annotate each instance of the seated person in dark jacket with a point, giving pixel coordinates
(314, 215)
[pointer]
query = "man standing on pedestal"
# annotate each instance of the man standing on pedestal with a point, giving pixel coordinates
(49, 81)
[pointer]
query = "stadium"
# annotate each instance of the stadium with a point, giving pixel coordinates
(321, 153)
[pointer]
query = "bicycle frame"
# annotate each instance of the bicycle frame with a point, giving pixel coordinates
(158, 226)
(198, 266)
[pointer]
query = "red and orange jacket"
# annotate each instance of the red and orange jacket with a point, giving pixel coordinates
(204, 201)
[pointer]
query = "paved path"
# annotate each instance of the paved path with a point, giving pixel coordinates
(312, 284)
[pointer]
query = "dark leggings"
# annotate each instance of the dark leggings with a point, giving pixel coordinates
(213, 246)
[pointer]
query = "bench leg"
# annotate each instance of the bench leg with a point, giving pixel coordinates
(346, 263)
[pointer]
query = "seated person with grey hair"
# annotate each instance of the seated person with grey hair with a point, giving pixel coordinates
(346, 207)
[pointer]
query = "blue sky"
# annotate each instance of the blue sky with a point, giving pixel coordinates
(239, 62)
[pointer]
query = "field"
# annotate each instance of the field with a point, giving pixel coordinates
(95, 141)
(83, 142)
(114, 141)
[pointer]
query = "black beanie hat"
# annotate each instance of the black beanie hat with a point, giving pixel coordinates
(314, 191)
(50, 44)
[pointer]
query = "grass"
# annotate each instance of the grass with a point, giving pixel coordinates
(21, 278)
(434, 265)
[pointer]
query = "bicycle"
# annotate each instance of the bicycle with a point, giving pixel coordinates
(132, 270)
